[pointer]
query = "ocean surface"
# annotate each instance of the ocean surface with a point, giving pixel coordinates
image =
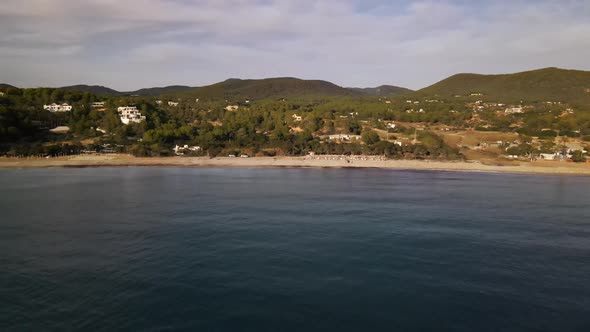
(194, 249)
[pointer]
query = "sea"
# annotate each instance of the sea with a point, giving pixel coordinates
(287, 249)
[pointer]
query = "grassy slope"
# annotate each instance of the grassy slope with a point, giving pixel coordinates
(267, 88)
(549, 84)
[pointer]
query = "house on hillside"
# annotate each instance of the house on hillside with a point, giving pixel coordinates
(58, 107)
(172, 103)
(97, 104)
(159, 102)
(344, 138)
(232, 108)
(130, 114)
(296, 117)
(513, 110)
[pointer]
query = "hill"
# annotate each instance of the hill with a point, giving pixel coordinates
(158, 91)
(548, 84)
(4, 86)
(383, 91)
(268, 88)
(94, 89)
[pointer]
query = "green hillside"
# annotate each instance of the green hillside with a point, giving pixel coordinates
(4, 86)
(268, 88)
(94, 89)
(549, 84)
(158, 91)
(383, 91)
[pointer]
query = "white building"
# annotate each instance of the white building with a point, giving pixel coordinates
(297, 117)
(159, 102)
(391, 125)
(172, 103)
(232, 108)
(97, 104)
(548, 156)
(129, 114)
(513, 110)
(344, 138)
(57, 107)
(180, 150)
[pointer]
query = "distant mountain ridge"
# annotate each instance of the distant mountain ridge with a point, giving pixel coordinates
(268, 88)
(547, 84)
(383, 91)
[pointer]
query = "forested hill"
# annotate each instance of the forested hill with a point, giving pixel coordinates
(268, 88)
(548, 84)
(383, 91)
(159, 91)
(94, 89)
(4, 86)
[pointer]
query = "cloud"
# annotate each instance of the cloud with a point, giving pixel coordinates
(137, 43)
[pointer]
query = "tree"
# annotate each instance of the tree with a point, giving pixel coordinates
(370, 137)
(578, 156)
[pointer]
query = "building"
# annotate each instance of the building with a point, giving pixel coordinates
(344, 138)
(97, 104)
(2, 94)
(57, 107)
(172, 103)
(232, 108)
(159, 102)
(129, 114)
(390, 125)
(548, 156)
(180, 150)
(296, 117)
(513, 110)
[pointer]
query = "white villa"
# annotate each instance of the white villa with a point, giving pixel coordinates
(97, 104)
(179, 150)
(159, 102)
(390, 125)
(130, 114)
(513, 110)
(344, 138)
(232, 108)
(548, 156)
(297, 117)
(172, 103)
(58, 108)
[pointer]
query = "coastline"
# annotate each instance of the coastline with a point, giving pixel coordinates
(118, 160)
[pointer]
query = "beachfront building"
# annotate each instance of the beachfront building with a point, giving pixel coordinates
(130, 114)
(181, 150)
(57, 107)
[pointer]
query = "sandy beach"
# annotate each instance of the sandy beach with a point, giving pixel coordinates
(539, 167)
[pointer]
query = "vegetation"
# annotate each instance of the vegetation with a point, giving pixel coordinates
(288, 116)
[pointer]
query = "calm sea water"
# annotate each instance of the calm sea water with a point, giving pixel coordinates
(163, 249)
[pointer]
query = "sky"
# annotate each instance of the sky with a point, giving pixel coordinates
(132, 44)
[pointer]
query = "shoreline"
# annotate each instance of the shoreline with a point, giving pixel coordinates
(118, 160)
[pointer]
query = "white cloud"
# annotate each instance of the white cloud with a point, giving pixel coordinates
(137, 43)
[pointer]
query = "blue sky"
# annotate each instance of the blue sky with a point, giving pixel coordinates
(132, 44)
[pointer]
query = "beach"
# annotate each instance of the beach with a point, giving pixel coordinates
(538, 167)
